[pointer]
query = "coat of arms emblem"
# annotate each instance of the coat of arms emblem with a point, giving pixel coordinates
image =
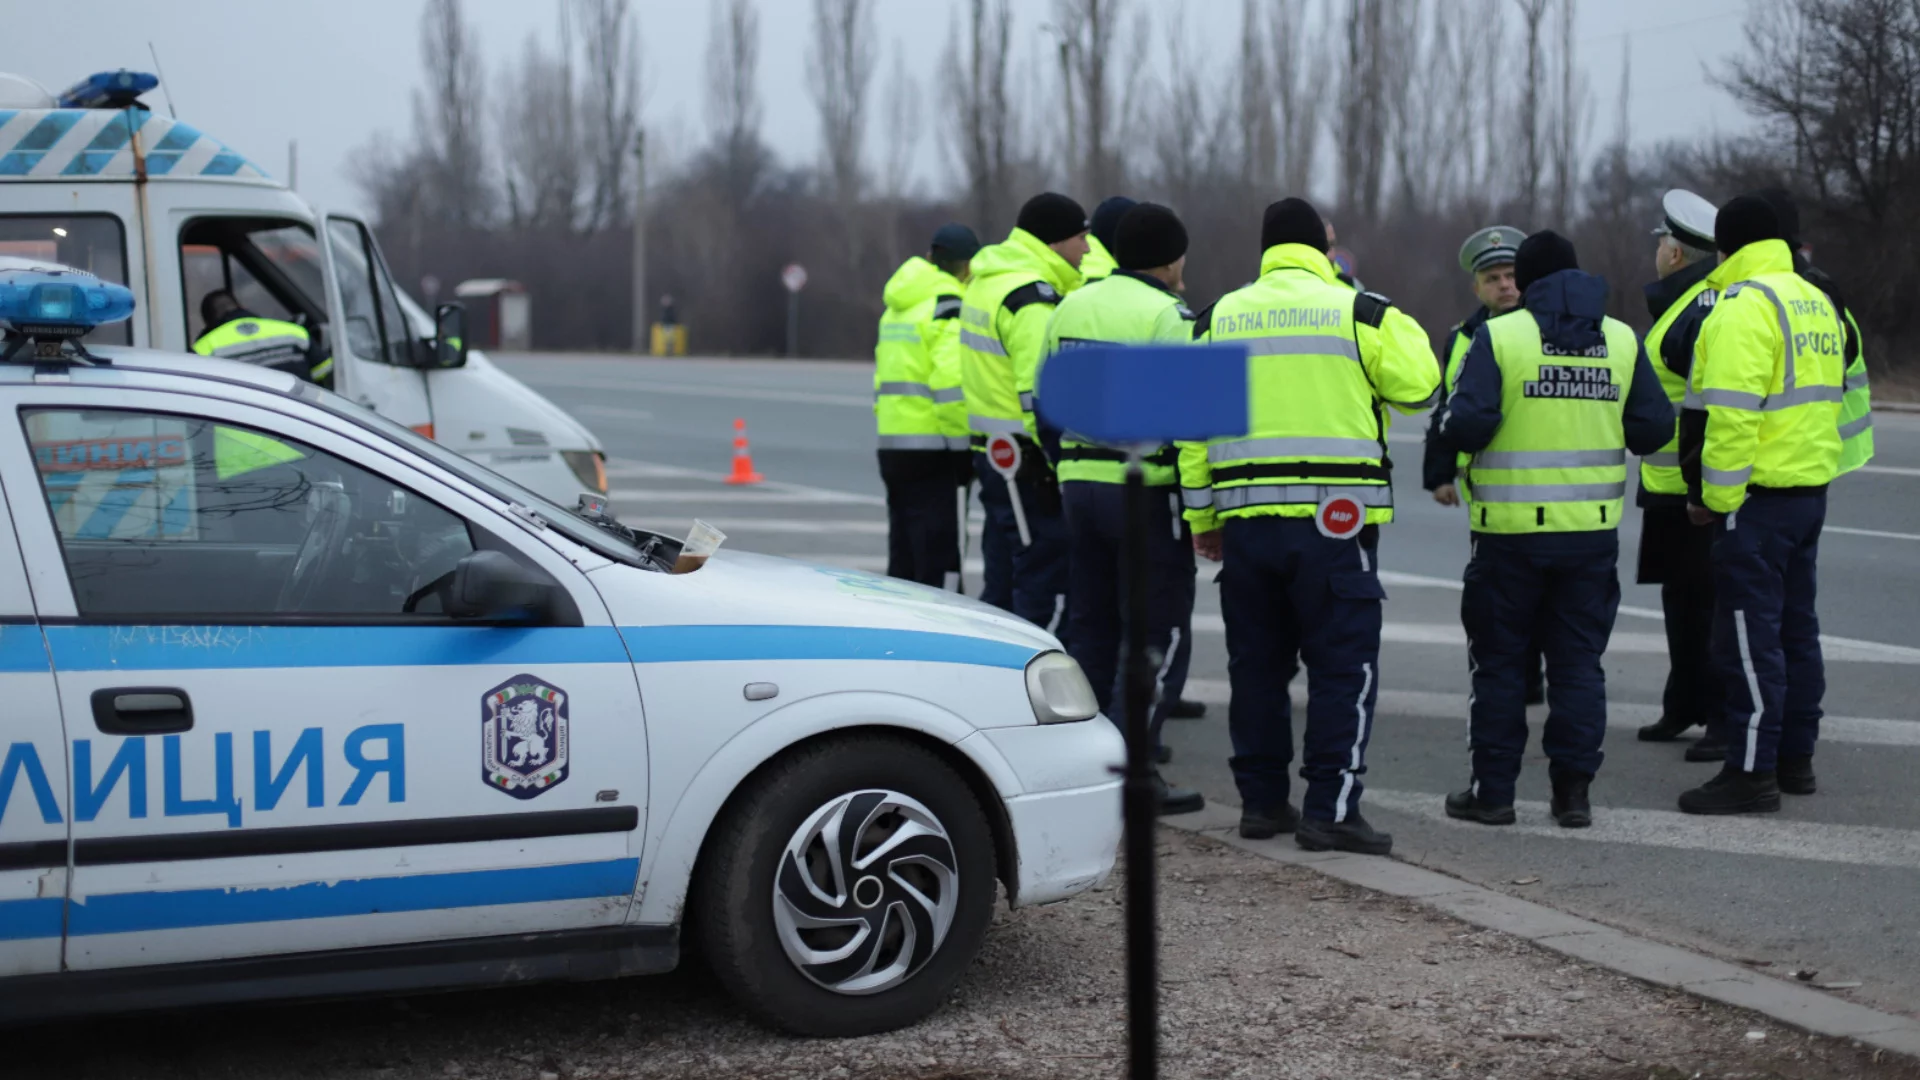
(524, 736)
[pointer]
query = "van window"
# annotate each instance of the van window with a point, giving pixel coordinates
(271, 265)
(377, 329)
(95, 243)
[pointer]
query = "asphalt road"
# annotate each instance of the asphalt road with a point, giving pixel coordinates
(1830, 885)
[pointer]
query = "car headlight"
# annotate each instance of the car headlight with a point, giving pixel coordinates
(1059, 690)
(589, 467)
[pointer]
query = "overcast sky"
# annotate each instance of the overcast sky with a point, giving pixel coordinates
(260, 73)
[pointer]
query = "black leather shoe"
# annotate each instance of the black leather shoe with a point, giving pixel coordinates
(1795, 774)
(1666, 729)
(1708, 747)
(1466, 806)
(1187, 710)
(1734, 792)
(1162, 755)
(1266, 822)
(1353, 834)
(1570, 806)
(1175, 800)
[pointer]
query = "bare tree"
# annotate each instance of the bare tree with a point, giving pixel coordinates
(1532, 161)
(902, 125)
(1572, 113)
(447, 115)
(840, 65)
(1189, 137)
(1299, 74)
(1255, 100)
(539, 142)
(974, 74)
(612, 105)
(1092, 48)
(1414, 107)
(1364, 108)
(733, 94)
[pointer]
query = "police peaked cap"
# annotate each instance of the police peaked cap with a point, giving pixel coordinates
(1495, 245)
(1052, 217)
(1687, 218)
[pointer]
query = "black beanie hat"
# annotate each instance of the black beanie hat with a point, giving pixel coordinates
(955, 241)
(1293, 221)
(1106, 220)
(1052, 217)
(1545, 252)
(1747, 219)
(1786, 210)
(1149, 236)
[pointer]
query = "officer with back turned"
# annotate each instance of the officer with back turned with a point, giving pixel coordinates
(1295, 508)
(1549, 399)
(1139, 303)
(1099, 260)
(917, 406)
(1003, 327)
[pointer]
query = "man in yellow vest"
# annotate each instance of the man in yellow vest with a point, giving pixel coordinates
(1294, 507)
(1675, 554)
(1759, 443)
(234, 333)
(1003, 327)
(1549, 400)
(1139, 303)
(917, 406)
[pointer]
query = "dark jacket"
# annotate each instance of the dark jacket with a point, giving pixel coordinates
(1676, 347)
(1441, 460)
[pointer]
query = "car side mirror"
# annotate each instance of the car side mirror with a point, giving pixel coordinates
(491, 585)
(450, 336)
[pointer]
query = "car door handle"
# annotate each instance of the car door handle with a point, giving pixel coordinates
(142, 710)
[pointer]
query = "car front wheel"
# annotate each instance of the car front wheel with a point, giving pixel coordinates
(846, 891)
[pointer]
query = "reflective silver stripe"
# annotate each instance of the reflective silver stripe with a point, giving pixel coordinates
(1857, 382)
(1664, 459)
(1249, 449)
(1692, 399)
(905, 389)
(1803, 395)
(1026, 401)
(913, 442)
(1730, 399)
(981, 343)
(261, 346)
(958, 442)
(1548, 493)
(1854, 428)
(949, 395)
(1753, 680)
(1786, 329)
(1726, 478)
(1239, 498)
(1424, 403)
(1548, 459)
(1299, 345)
(899, 332)
(993, 425)
(1785, 399)
(1196, 498)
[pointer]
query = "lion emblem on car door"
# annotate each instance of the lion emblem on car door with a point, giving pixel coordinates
(524, 729)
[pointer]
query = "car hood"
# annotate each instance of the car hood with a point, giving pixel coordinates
(744, 589)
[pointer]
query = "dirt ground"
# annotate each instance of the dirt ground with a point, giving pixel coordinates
(1270, 971)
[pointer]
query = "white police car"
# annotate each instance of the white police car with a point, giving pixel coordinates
(301, 703)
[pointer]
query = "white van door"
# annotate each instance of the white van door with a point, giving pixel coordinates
(278, 744)
(33, 783)
(375, 351)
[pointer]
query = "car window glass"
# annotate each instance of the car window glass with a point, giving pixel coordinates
(208, 268)
(353, 274)
(393, 321)
(174, 516)
(272, 267)
(92, 242)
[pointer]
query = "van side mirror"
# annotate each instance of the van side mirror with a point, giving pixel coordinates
(450, 336)
(491, 585)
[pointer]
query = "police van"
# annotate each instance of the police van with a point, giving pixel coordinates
(302, 703)
(93, 179)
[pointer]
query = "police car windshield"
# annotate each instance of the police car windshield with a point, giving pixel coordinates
(562, 520)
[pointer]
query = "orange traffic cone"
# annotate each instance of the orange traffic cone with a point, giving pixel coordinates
(742, 457)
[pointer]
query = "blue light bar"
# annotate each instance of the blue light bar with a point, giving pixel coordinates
(108, 90)
(48, 300)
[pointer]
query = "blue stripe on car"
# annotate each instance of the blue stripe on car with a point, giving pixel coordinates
(24, 919)
(119, 913)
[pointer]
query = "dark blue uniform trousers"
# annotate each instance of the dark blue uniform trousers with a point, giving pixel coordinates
(1289, 594)
(1563, 591)
(1766, 637)
(1096, 525)
(1030, 580)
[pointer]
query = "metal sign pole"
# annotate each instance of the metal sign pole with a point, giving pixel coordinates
(1138, 811)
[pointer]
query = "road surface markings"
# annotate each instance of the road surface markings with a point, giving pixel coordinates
(1889, 470)
(748, 497)
(731, 393)
(629, 469)
(1621, 715)
(1769, 836)
(1881, 533)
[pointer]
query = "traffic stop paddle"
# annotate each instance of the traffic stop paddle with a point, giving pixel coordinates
(1138, 398)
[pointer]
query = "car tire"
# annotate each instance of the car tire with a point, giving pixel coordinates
(760, 925)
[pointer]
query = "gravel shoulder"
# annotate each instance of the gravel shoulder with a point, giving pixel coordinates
(1271, 971)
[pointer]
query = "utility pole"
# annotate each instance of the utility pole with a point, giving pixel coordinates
(640, 324)
(293, 164)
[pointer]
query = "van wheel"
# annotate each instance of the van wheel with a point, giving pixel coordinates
(846, 891)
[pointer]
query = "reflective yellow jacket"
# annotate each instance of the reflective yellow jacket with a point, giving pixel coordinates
(917, 403)
(1003, 329)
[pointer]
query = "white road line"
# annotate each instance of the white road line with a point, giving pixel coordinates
(739, 496)
(1889, 470)
(629, 469)
(1621, 715)
(745, 393)
(1770, 836)
(1882, 534)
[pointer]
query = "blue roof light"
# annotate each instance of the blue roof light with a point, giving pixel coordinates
(38, 301)
(108, 90)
